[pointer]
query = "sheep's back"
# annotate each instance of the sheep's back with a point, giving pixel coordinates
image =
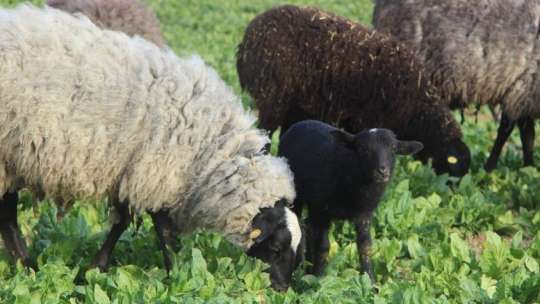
(129, 16)
(330, 68)
(474, 51)
(91, 113)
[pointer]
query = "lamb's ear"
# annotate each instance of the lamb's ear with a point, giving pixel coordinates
(408, 147)
(343, 137)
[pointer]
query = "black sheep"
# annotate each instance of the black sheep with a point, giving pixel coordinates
(303, 63)
(339, 176)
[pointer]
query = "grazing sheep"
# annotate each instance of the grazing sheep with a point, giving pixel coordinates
(129, 16)
(302, 63)
(339, 176)
(482, 51)
(94, 113)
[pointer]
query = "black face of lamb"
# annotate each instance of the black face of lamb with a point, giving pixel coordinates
(377, 149)
(275, 244)
(456, 160)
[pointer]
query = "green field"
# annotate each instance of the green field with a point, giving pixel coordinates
(476, 242)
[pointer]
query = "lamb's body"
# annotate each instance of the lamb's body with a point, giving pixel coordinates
(303, 63)
(93, 113)
(483, 52)
(327, 175)
(129, 16)
(339, 176)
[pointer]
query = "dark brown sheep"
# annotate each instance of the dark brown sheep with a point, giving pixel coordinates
(129, 16)
(303, 63)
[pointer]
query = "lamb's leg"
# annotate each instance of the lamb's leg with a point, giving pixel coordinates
(9, 228)
(317, 245)
(363, 242)
(505, 129)
(526, 131)
(101, 259)
(164, 230)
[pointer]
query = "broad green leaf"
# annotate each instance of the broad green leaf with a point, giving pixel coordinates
(459, 248)
(414, 248)
(489, 285)
(531, 264)
(494, 258)
(101, 296)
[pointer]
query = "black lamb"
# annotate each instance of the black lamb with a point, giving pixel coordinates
(339, 176)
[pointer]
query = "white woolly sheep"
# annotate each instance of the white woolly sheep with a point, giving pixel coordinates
(129, 16)
(482, 51)
(94, 113)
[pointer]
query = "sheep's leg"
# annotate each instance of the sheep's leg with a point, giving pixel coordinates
(9, 228)
(318, 245)
(101, 260)
(526, 131)
(164, 231)
(363, 242)
(505, 129)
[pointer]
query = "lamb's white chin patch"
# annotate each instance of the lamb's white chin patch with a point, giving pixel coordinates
(294, 228)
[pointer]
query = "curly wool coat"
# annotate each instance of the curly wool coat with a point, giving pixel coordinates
(129, 16)
(94, 113)
(482, 51)
(302, 63)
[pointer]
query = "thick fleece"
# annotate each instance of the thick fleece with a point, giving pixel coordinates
(94, 113)
(482, 51)
(302, 63)
(129, 16)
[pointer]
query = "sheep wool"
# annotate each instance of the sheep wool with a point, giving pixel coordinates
(482, 51)
(94, 113)
(129, 16)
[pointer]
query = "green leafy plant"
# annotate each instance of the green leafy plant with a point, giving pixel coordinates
(436, 239)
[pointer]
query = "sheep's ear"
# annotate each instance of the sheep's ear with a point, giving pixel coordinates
(266, 222)
(259, 234)
(255, 233)
(408, 147)
(342, 137)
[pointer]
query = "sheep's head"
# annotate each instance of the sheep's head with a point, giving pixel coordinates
(454, 158)
(278, 241)
(376, 149)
